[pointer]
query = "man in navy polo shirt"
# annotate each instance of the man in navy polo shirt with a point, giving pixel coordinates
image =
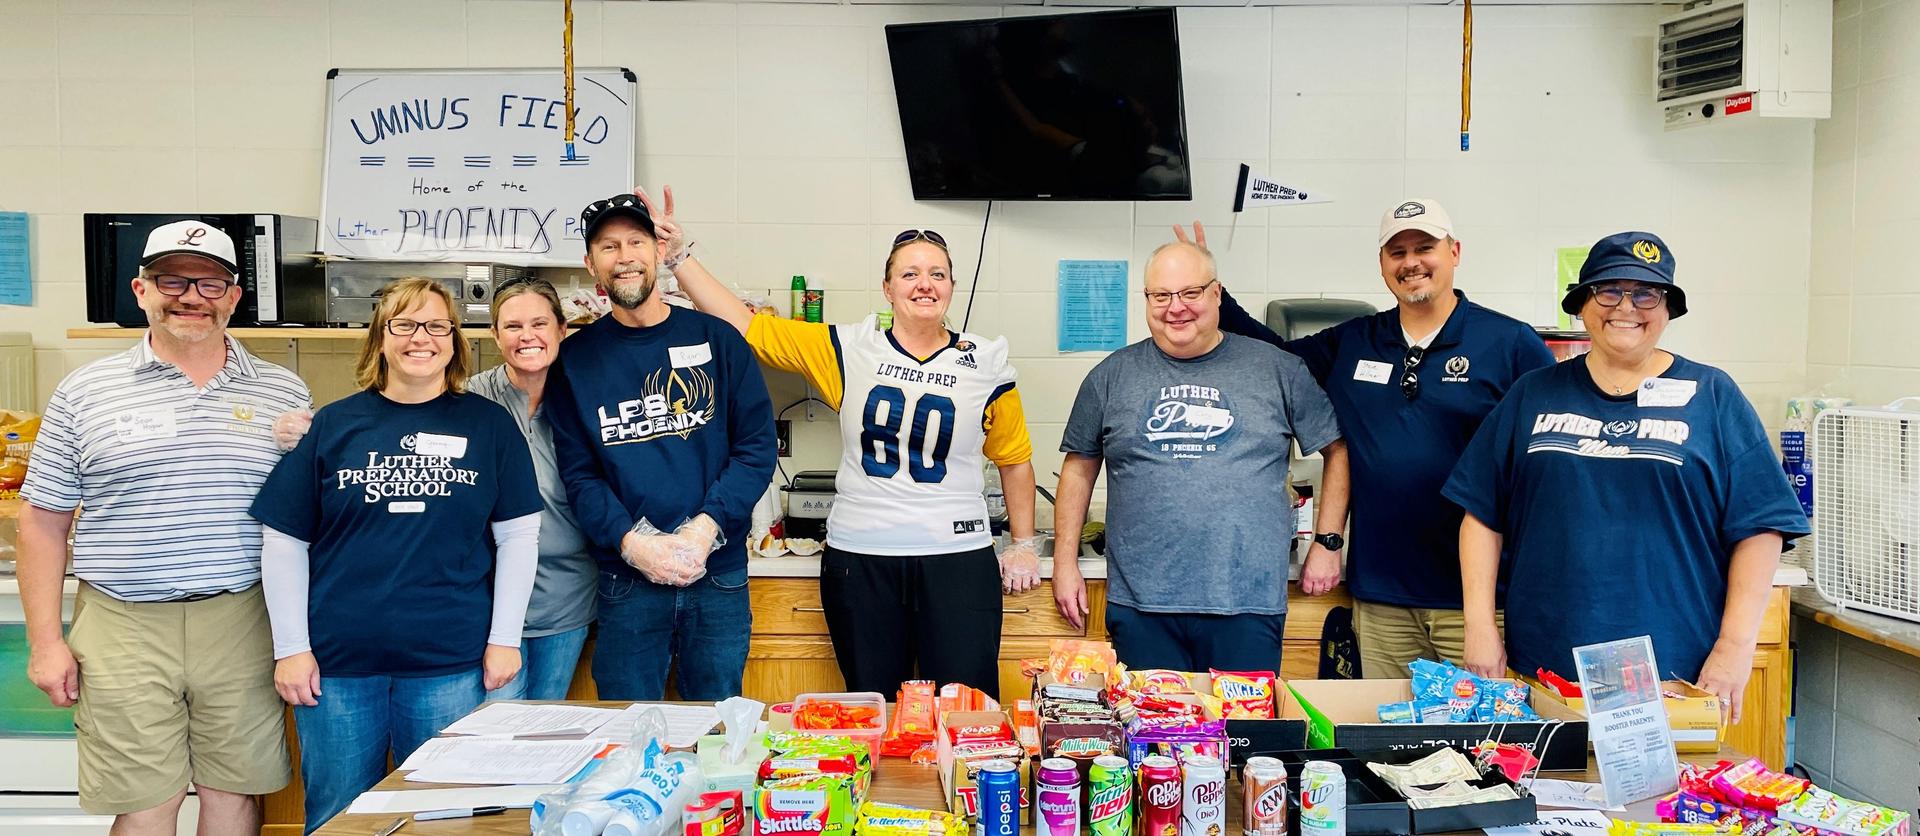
(1410, 386)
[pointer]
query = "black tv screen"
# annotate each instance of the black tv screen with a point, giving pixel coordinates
(1061, 107)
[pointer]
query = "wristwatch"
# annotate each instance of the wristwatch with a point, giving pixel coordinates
(1332, 540)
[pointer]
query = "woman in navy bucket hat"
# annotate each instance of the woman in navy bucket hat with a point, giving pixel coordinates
(1626, 492)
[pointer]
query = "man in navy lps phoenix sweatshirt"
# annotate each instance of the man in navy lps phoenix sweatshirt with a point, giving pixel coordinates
(660, 413)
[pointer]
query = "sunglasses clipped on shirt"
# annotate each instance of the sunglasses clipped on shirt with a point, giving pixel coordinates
(907, 236)
(1410, 379)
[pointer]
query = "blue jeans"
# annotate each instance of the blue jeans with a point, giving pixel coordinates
(644, 626)
(546, 667)
(345, 739)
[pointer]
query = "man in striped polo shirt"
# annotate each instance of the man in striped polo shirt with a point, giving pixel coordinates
(169, 663)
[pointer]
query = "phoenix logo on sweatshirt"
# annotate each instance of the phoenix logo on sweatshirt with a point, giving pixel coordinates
(674, 402)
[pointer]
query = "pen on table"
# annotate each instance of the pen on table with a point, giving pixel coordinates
(458, 813)
(392, 827)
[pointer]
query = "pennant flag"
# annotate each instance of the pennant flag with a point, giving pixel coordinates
(1259, 191)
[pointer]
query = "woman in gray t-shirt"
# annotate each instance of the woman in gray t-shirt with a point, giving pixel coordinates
(528, 324)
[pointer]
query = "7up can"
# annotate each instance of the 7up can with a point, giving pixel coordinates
(1110, 796)
(1323, 800)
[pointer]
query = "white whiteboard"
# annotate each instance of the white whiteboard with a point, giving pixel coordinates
(471, 165)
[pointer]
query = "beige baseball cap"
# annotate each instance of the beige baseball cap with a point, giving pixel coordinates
(1419, 213)
(190, 237)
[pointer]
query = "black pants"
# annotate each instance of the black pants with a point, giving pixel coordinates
(1195, 641)
(887, 612)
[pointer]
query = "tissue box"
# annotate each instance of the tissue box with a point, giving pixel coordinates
(722, 776)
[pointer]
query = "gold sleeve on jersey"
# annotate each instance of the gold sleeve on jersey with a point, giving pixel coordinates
(1005, 422)
(804, 347)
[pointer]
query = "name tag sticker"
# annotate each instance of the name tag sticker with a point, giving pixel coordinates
(1209, 416)
(688, 356)
(434, 444)
(142, 424)
(1661, 391)
(406, 507)
(1372, 371)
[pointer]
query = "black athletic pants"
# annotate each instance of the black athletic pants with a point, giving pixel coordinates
(886, 613)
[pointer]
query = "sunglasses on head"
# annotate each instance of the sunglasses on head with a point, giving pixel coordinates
(919, 234)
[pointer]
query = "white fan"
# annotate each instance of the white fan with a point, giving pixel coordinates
(1866, 508)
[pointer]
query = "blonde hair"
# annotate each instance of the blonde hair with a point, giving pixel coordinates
(370, 370)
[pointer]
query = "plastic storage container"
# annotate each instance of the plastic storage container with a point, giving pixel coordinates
(860, 699)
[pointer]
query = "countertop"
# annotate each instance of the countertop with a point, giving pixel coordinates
(1888, 632)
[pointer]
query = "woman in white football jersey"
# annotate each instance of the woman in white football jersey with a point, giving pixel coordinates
(909, 580)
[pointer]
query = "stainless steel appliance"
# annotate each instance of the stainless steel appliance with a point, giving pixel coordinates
(809, 501)
(354, 287)
(278, 255)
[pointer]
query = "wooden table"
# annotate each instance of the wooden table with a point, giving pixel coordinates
(895, 781)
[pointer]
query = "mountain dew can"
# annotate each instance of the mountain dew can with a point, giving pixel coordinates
(1110, 796)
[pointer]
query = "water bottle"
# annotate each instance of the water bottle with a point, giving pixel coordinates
(996, 497)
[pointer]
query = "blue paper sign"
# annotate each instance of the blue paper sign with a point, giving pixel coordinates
(1093, 305)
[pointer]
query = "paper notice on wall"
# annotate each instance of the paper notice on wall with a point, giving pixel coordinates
(1093, 305)
(16, 260)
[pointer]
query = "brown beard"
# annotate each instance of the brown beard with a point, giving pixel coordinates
(630, 302)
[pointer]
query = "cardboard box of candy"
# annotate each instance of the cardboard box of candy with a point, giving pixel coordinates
(1692, 713)
(1346, 713)
(963, 741)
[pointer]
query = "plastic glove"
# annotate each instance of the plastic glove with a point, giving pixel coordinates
(290, 427)
(703, 532)
(1020, 565)
(665, 227)
(665, 559)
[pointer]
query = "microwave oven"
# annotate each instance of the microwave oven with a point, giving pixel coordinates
(278, 257)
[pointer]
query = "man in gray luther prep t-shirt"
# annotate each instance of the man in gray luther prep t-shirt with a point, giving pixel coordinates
(1195, 426)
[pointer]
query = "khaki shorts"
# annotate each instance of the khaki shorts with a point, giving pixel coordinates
(172, 693)
(1390, 637)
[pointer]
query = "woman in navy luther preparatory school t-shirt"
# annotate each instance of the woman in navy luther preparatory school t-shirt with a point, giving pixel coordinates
(400, 549)
(1635, 491)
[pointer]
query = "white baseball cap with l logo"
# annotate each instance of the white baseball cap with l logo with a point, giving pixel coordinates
(194, 238)
(1419, 213)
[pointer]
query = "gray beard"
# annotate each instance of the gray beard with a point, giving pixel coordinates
(1417, 298)
(630, 296)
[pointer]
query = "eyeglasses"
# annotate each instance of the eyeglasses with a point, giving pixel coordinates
(919, 235)
(1410, 379)
(406, 327)
(172, 285)
(1644, 298)
(1163, 298)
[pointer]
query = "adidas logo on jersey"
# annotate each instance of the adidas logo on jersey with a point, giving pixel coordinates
(967, 361)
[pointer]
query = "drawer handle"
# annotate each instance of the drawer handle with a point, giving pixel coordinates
(1020, 611)
(810, 609)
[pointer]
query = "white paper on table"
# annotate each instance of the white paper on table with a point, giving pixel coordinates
(494, 761)
(430, 751)
(1580, 795)
(450, 798)
(523, 720)
(1560, 823)
(685, 723)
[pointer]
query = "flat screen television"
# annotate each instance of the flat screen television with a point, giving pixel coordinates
(1053, 107)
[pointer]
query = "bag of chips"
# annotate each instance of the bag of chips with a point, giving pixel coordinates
(1245, 695)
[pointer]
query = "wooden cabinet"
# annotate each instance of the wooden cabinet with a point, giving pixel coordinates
(790, 653)
(1762, 729)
